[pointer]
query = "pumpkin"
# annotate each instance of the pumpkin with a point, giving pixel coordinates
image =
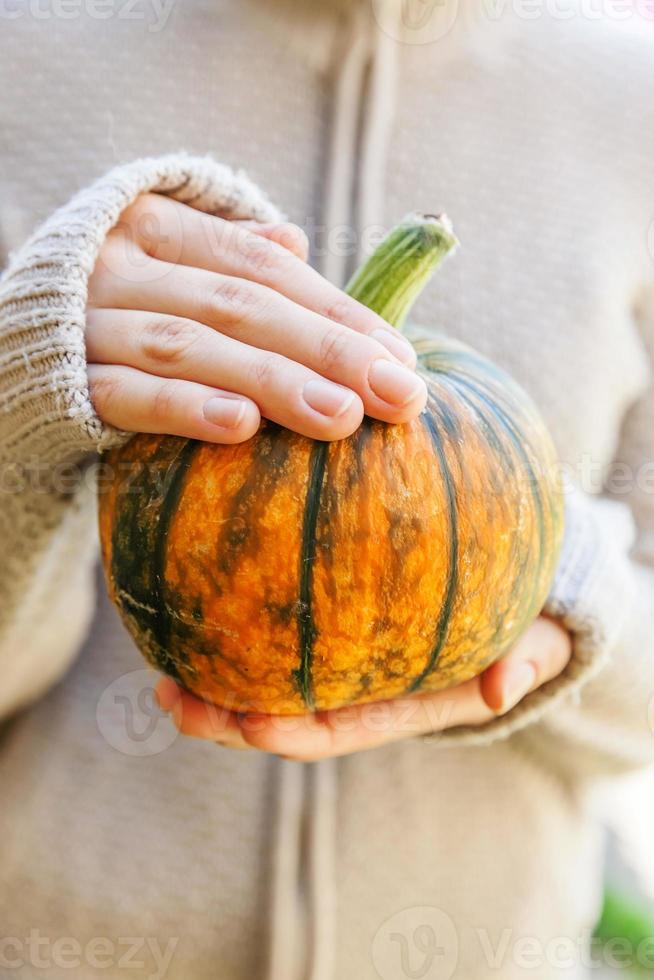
(285, 575)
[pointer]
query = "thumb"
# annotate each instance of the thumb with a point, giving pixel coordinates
(540, 654)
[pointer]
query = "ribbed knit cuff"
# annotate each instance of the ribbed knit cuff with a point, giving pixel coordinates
(46, 415)
(590, 596)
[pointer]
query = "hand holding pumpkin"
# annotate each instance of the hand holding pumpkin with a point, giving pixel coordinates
(402, 561)
(197, 326)
(540, 654)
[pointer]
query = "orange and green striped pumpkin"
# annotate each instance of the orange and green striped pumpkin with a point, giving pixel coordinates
(286, 575)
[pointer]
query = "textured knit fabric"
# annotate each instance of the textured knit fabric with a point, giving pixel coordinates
(48, 423)
(536, 137)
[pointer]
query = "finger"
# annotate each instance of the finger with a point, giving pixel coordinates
(167, 693)
(262, 318)
(199, 719)
(540, 654)
(289, 236)
(179, 234)
(170, 347)
(354, 729)
(139, 402)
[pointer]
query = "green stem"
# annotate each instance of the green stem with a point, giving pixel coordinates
(390, 280)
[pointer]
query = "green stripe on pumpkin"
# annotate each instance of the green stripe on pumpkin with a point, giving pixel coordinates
(306, 625)
(447, 606)
(518, 441)
(147, 505)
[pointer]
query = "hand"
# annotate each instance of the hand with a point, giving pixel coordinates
(539, 655)
(197, 326)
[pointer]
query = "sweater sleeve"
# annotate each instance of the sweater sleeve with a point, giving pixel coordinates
(597, 717)
(49, 431)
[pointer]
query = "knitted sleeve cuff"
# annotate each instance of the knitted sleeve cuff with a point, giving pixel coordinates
(47, 416)
(590, 596)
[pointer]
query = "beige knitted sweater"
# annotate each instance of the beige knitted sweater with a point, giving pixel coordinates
(128, 851)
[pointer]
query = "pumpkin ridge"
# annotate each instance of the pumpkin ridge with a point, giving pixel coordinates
(447, 607)
(535, 485)
(496, 445)
(478, 388)
(163, 620)
(514, 436)
(267, 469)
(152, 616)
(489, 432)
(306, 625)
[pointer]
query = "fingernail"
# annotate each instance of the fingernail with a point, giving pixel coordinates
(226, 412)
(394, 383)
(518, 680)
(396, 344)
(326, 398)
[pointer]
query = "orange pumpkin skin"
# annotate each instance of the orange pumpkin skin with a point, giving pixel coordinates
(285, 575)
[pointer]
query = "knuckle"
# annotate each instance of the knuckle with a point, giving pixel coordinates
(119, 259)
(338, 309)
(166, 401)
(142, 221)
(143, 208)
(333, 348)
(168, 341)
(261, 255)
(562, 647)
(105, 391)
(231, 297)
(263, 370)
(551, 647)
(292, 234)
(113, 241)
(235, 302)
(113, 251)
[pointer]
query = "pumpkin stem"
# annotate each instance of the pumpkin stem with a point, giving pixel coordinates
(390, 280)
